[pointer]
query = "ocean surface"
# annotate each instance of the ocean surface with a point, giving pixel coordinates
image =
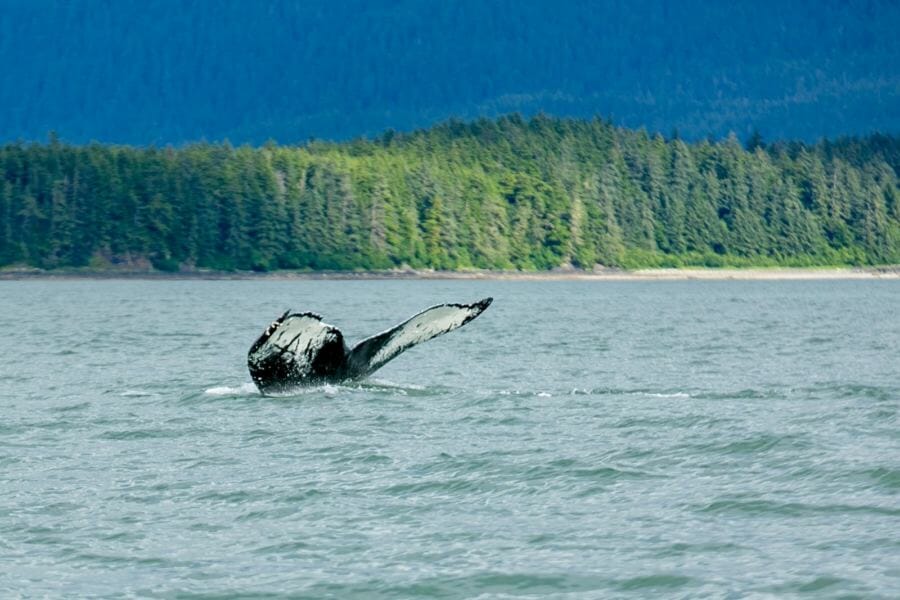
(578, 440)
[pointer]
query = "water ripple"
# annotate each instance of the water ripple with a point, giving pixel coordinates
(671, 439)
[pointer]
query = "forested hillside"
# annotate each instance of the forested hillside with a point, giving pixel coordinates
(175, 71)
(494, 194)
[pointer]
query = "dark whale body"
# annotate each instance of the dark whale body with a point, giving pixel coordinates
(298, 349)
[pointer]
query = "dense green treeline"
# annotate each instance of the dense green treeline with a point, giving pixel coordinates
(494, 194)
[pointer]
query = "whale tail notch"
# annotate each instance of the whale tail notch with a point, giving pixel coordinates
(374, 352)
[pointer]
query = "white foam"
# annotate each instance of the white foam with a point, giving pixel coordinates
(245, 389)
(402, 387)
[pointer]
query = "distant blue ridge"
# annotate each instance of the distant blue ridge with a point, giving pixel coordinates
(159, 72)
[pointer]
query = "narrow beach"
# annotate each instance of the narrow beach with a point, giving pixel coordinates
(749, 274)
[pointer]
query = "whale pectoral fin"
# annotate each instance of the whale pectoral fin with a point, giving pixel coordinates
(372, 353)
(294, 350)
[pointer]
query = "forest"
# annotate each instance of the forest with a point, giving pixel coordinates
(505, 193)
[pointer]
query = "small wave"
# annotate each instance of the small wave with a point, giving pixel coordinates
(437, 486)
(137, 394)
(477, 584)
(72, 407)
(288, 548)
(745, 394)
(656, 581)
(229, 496)
(627, 392)
(754, 445)
(538, 394)
(797, 509)
(884, 477)
(143, 434)
(686, 549)
(817, 584)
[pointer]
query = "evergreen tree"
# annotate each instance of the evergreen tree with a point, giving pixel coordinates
(500, 194)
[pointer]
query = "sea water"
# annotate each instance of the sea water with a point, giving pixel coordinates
(578, 440)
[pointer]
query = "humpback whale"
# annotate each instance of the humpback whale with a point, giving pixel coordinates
(299, 349)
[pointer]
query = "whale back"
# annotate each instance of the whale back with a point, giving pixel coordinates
(296, 350)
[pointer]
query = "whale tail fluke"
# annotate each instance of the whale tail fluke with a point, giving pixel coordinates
(299, 349)
(374, 352)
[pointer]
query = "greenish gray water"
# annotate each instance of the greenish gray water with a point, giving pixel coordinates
(579, 439)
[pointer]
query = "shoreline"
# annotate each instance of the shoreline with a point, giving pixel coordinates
(685, 274)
